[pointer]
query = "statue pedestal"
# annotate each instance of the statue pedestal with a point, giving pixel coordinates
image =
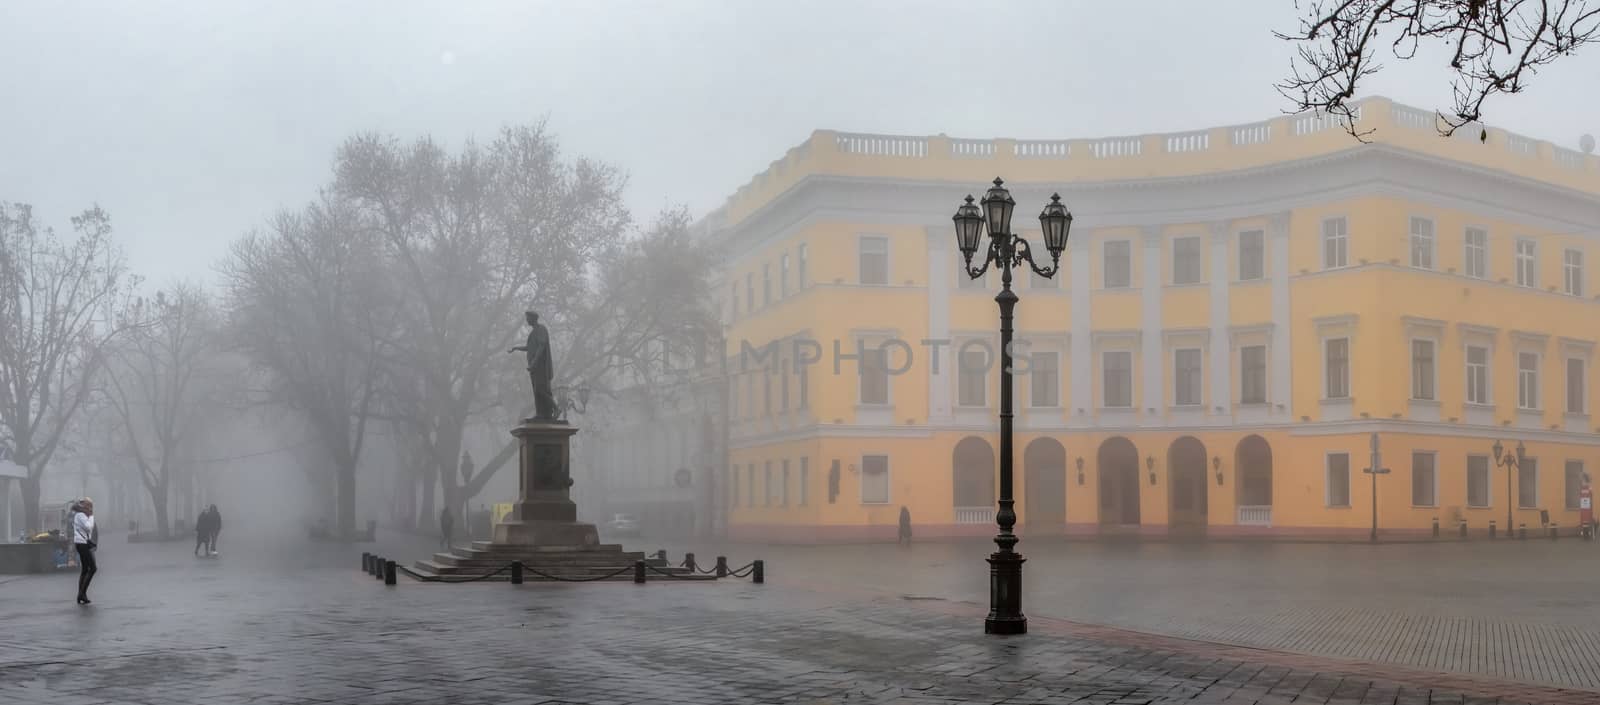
(544, 514)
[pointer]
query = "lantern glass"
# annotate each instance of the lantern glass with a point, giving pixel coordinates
(1522, 453)
(1056, 221)
(969, 228)
(997, 207)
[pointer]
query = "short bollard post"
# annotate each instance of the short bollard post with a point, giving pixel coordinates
(722, 566)
(372, 561)
(366, 561)
(1491, 529)
(1553, 532)
(516, 572)
(1463, 528)
(1436, 527)
(688, 561)
(388, 573)
(1522, 532)
(758, 572)
(377, 568)
(638, 572)
(661, 555)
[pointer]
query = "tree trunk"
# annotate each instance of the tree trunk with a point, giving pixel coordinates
(30, 504)
(347, 501)
(158, 498)
(429, 482)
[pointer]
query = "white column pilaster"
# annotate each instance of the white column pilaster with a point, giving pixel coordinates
(1081, 351)
(1221, 402)
(1150, 345)
(943, 263)
(1278, 247)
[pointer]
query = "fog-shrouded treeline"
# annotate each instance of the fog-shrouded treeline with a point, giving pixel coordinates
(381, 312)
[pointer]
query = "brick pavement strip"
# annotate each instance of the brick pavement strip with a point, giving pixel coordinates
(346, 639)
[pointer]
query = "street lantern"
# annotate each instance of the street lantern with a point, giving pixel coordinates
(1006, 252)
(969, 229)
(1150, 465)
(1216, 465)
(997, 207)
(1511, 463)
(1056, 222)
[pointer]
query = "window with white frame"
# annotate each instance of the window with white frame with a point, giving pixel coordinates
(1253, 374)
(874, 375)
(1117, 378)
(1424, 481)
(1252, 255)
(766, 284)
(783, 276)
(750, 485)
(1335, 243)
(1186, 260)
(1527, 265)
(766, 483)
(874, 479)
(1572, 271)
(1527, 380)
(1186, 376)
(783, 489)
(1576, 396)
(874, 260)
(1422, 369)
(1528, 484)
(1118, 269)
(1573, 483)
(1421, 243)
(1336, 368)
(1477, 374)
(1478, 481)
(1338, 479)
(972, 378)
(1475, 258)
(1044, 379)
(734, 308)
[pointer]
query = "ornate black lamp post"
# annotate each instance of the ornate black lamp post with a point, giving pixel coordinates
(1006, 251)
(1510, 463)
(575, 399)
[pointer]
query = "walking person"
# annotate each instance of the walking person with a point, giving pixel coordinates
(446, 523)
(905, 526)
(85, 538)
(216, 528)
(202, 532)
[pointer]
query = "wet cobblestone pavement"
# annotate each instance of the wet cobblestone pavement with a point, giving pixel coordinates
(274, 626)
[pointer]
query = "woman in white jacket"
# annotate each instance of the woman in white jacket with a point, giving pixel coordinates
(83, 538)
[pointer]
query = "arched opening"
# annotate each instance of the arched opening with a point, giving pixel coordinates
(1044, 464)
(1253, 458)
(1187, 493)
(972, 473)
(1119, 481)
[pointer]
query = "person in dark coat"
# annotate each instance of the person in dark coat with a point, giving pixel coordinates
(905, 526)
(216, 528)
(202, 532)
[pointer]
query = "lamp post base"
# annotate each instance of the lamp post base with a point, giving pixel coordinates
(1005, 594)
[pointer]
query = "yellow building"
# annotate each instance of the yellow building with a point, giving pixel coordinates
(1239, 310)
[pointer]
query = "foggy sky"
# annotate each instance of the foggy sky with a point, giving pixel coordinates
(192, 122)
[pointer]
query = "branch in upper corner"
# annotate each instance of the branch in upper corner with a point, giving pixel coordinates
(1494, 47)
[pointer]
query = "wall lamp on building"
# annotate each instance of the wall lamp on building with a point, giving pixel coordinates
(1080, 471)
(1216, 465)
(1150, 465)
(1512, 463)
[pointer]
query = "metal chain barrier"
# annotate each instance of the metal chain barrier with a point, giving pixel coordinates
(591, 578)
(447, 579)
(383, 569)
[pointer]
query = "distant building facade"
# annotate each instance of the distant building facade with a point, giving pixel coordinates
(1238, 310)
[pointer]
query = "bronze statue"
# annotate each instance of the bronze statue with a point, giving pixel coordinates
(541, 369)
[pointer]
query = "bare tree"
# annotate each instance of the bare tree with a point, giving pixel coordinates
(1495, 46)
(159, 386)
(61, 302)
(309, 304)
